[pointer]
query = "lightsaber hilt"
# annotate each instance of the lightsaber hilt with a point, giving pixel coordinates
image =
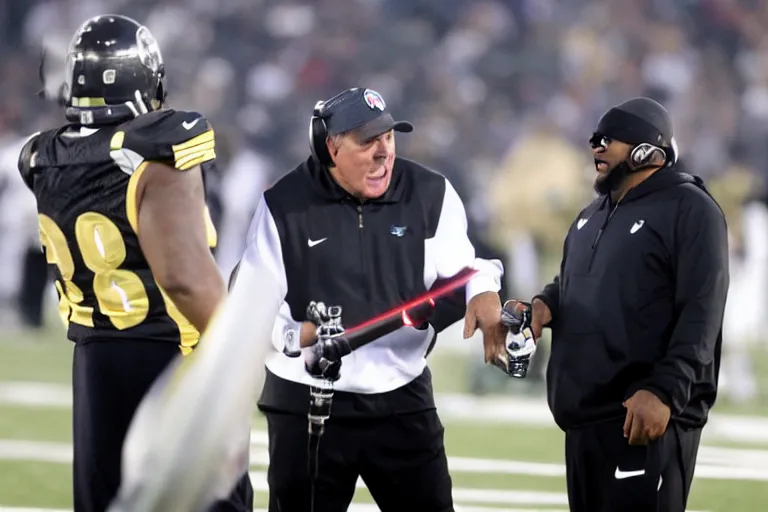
(323, 363)
(320, 401)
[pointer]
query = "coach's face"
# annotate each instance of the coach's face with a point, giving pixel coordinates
(363, 167)
(609, 154)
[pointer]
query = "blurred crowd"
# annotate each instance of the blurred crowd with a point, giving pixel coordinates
(503, 93)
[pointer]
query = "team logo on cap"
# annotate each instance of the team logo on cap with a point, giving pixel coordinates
(374, 100)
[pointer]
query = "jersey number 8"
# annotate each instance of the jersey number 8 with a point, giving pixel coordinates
(120, 294)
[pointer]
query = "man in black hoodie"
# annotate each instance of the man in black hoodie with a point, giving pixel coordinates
(636, 316)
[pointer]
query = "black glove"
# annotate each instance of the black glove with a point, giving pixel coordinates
(323, 359)
(326, 318)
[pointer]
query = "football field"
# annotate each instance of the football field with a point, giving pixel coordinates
(505, 453)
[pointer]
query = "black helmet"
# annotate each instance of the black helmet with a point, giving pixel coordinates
(114, 72)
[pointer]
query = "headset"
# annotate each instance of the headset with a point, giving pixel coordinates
(642, 154)
(318, 134)
(318, 129)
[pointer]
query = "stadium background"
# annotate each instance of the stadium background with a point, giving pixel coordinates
(504, 95)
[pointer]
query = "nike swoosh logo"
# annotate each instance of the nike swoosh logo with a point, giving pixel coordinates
(636, 226)
(313, 243)
(581, 223)
(620, 475)
(188, 126)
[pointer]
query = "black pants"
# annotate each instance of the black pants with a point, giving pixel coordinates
(110, 378)
(401, 459)
(606, 474)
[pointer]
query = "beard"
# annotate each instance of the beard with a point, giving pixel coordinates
(612, 179)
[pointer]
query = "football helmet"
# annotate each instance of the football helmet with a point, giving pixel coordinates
(114, 72)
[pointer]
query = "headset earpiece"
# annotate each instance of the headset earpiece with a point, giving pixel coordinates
(318, 133)
(643, 154)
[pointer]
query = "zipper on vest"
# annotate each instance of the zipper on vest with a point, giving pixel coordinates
(363, 265)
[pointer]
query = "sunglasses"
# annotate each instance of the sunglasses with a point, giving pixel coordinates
(598, 140)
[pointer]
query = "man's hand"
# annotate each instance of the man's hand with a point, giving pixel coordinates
(647, 418)
(541, 316)
(323, 322)
(484, 312)
(308, 334)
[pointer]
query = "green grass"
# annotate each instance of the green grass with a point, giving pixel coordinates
(35, 424)
(728, 496)
(46, 356)
(504, 441)
(34, 484)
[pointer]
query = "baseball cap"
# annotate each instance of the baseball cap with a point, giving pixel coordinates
(363, 110)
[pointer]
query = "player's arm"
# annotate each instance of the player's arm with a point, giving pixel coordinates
(173, 237)
(165, 151)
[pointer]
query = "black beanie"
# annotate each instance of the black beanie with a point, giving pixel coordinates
(636, 121)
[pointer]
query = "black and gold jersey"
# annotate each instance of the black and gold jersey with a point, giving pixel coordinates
(85, 182)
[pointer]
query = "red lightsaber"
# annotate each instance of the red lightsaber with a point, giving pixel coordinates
(395, 318)
(414, 311)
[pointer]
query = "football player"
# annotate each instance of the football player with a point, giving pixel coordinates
(123, 222)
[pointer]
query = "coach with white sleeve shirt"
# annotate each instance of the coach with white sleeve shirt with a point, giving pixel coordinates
(357, 227)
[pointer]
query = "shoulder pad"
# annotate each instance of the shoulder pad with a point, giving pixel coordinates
(177, 138)
(27, 157)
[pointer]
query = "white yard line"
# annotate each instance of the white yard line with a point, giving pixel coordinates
(753, 471)
(735, 428)
(742, 465)
(35, 451)
(462, 495)
(708, 455)
(36, 394)
(467, 408)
